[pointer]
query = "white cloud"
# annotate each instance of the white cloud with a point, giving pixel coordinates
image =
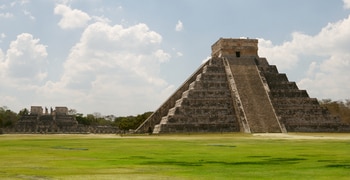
(2, 59)
(2, 36)
(6, 15)
(101, 19)
(71, 18)
(28, 14)
(329, 75)
(3, 6)
(64, 1)
(179, 26)
(346, 4)
(161, 55)
(114, 67)
(275, 54)
(179, 54)
(24, 60)
(21, 2)
(9, 100)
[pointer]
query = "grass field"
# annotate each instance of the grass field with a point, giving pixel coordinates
(209, 156)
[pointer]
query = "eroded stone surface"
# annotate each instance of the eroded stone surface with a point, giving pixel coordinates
(236, 90)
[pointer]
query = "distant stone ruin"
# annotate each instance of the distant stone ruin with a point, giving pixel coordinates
(55, 121)
(40, 121)
(238, 91)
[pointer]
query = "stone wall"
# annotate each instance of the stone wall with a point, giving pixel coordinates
(206, 106)
(295, 109)
(57, 121)
(236, 47)
(255, 101)
(155, 118)
(238, 91)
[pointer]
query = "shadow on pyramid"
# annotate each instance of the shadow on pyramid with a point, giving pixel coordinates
(238, 91)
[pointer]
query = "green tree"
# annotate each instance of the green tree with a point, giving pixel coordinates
(81, 119)
(72, 112)
(8, 118)
(23, 112)
(131, 122)
(338, 108)
(91, 119)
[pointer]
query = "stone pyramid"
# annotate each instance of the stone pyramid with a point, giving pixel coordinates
(237, 91)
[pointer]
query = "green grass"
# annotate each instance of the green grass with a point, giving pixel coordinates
(214, 156)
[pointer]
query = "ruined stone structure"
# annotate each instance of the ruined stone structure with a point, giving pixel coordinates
(39, 121)
(237, 91)
(55, 121)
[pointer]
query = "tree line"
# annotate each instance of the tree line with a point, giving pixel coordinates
(8, 119)
(123, 122)
(338, 108)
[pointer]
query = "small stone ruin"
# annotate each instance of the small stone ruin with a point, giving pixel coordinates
(39, 121)
(55, 121)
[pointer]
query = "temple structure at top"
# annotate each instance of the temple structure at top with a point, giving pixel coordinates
(238, 91)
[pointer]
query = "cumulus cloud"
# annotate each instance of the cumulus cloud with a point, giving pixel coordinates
(114, 67)
(179, 26)
(326, 77)
(277, 53)
(1, 59)
(28, 14)
(101, 19)
(6, 15)
(25, 59)
(71, 18)
(2, 36)
(346, 4)
(179, 54)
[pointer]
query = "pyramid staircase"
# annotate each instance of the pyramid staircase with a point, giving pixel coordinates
(237, 91)
(295, 109)
(256, 103)
(206, 106)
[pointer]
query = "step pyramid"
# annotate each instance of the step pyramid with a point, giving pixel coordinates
(238, 91)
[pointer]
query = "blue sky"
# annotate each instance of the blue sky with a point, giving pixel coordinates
(128, 57)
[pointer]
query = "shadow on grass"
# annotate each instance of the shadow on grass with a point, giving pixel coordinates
(222, 145)
(22, 176)
(336, 163)
(268, 161)
(347, 166)
(140, 157)
(258, 156)
(68, 148)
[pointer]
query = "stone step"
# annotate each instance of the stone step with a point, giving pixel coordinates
(178, 103)
(283, 85)
(293, 102)
(156, 129)
(164, 120)
(172, 111)
(206, 100)
(258, 109)
(185, 94)
(192, 85)
(198, 78)
(289, 93)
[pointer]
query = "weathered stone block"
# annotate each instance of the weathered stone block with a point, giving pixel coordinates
(236, 90)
